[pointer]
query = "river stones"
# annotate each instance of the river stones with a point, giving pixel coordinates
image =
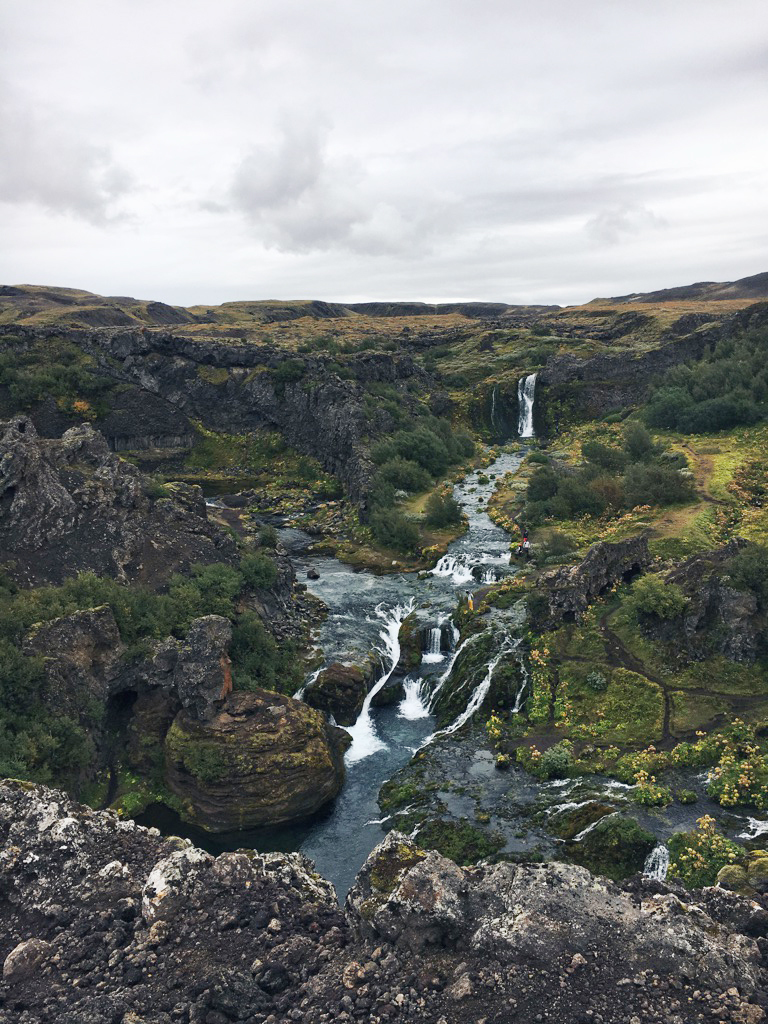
(261, 759)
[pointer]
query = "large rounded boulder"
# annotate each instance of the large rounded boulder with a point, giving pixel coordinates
(261, 759)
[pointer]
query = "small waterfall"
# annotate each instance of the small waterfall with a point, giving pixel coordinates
(444, 677)
(299, 695)
(657, 863)
(525, 392)
(585, 831)
(365, 741)
(456, 566)
(755, 827)
(434, 642)
(526, 678)
(481, 691)
(412, 706)
(494, 393)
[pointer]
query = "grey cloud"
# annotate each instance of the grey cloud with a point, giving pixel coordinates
(44, 161)
(614, 224)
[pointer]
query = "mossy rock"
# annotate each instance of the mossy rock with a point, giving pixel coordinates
(461, 841)
(569, 824)
(391, 862)
(262, 759)
(616, 847)
(757, 871)
(734, 877)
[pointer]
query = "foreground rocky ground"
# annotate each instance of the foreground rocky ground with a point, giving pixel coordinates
(103, 921)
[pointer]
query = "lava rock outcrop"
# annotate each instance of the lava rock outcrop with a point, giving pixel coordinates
(101, 920)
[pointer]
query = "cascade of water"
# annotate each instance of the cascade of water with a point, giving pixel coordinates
(412, 705)
(585, 831)
(365, 741)
(456, 566)
(434, 643)
(480, 692)
(455, 633)
(526, 678)
(657, 863)
(493, 405)
(444, 677)
(755, 827)
(299, 695)
(525, 392)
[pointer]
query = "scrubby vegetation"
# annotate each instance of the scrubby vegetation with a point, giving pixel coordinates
(40, 744)
(639, 472)
(727, 388)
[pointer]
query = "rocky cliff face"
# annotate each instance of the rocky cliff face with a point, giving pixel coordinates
(106, 921)
(573, 388)
(69, 505)
(236, 386)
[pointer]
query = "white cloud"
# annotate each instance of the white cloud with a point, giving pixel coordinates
(437, 149)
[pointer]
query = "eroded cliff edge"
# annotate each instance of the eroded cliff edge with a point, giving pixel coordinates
(105, 921)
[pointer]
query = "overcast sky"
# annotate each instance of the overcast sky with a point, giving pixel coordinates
(508, 150)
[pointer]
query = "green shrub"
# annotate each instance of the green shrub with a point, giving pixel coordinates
(268, 536)
(258, 571)
(652, 595)
(597, 681)
(405, 475)
(442, 510)
(697, 856)
(392, 530)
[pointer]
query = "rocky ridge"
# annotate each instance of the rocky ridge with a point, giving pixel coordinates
(106, 921)
(70, 505)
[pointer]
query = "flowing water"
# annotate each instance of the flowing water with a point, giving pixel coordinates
(364, 615)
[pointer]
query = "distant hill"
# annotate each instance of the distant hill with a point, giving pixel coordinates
(33, 305)
(755, 287)
(36, 304)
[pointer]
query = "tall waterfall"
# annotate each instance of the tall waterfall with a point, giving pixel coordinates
(525, 391)
(365, 741)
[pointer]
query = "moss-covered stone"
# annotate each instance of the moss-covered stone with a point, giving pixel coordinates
(734, 877)
(615, 847)
(263, 759)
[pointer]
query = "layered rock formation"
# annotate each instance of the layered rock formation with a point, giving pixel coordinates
(69, 505)
(105, 921)
(260, 759)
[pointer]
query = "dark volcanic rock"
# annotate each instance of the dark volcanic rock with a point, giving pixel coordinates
(197, 670)
(340, 691)
(70, 505)
(110, 922)
(718, 618)
(571, 588)
(261, 759)
(82, 655)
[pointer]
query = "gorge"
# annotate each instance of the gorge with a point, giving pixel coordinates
(263, 588)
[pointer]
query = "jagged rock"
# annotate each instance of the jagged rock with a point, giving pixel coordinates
(24, 959)
(718, 618)
(82, 655)
(569, 589)
(197, 670)
(539, 912)
(142, 928)
(262, 759)
(69, 505)
(340, 691)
